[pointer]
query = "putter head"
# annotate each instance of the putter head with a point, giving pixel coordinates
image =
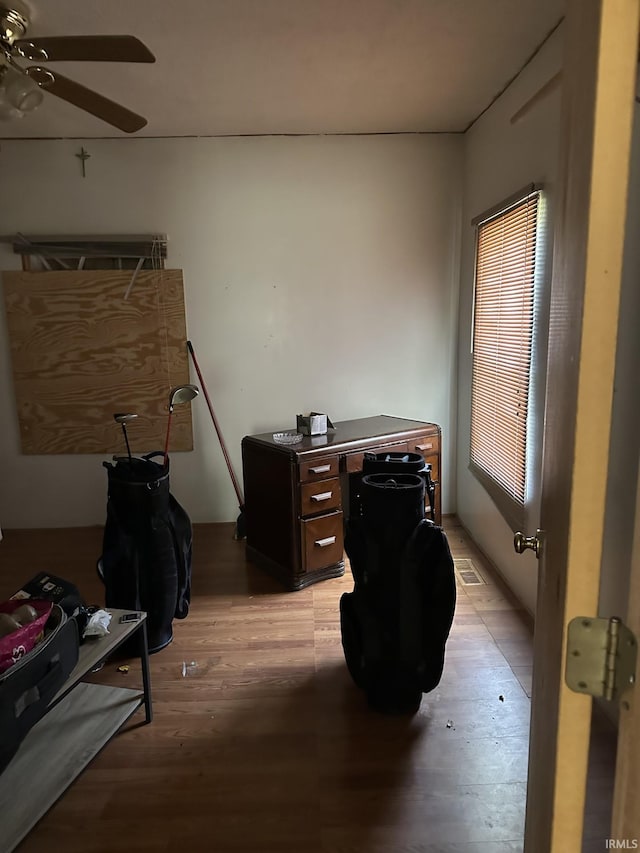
(124, 417)
(182, 394)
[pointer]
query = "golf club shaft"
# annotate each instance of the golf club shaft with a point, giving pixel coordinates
(126, 440)
(166, 441)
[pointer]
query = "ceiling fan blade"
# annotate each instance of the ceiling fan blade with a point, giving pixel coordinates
(84, 48)
(86, 99)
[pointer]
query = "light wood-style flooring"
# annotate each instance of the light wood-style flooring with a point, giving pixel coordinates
(261, 742)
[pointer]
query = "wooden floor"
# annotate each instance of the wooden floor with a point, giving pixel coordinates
(261, 742)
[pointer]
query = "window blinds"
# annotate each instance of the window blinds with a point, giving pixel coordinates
(502, 344)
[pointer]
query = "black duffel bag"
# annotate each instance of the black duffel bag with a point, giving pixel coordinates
(27, 687)
(147, 546)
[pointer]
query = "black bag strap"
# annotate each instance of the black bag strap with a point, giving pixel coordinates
(180, 526)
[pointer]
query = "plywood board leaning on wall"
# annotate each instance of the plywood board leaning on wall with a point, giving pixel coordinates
(80, 352)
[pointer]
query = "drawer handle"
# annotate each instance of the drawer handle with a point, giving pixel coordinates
(322, 543)
(322, 496)
(424, 446)
(320, 469)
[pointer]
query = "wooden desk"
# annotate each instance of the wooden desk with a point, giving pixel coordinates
(297, 495)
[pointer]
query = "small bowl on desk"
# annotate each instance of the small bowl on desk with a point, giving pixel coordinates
(287, 437)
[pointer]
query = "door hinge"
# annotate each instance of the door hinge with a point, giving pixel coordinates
(601, 657)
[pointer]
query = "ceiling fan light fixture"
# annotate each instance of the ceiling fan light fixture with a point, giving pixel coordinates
(7, 112)
(23, 93)
(20, 91)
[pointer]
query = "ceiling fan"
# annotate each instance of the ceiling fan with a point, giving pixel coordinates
(21, 85)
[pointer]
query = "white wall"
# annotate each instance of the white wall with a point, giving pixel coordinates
(320, 273)
(500, 159)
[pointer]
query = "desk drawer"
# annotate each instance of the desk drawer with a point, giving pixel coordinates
(353, 461)
(319, 469)
(322, 542)
(322, 496)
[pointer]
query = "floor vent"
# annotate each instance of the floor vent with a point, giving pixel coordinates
(467, 573)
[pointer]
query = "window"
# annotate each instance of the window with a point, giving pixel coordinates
(502, 348)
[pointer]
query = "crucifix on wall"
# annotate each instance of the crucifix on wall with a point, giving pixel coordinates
(83, 156)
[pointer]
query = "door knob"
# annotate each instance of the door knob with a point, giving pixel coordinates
(522, 542)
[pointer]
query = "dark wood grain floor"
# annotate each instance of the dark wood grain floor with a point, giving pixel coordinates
(261, 742)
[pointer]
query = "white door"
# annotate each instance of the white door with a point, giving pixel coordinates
(598, 98)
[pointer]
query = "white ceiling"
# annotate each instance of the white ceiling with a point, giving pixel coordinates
(293, 66)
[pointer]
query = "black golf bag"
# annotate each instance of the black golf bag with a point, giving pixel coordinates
(147, 546)
(394, 462)
(396, 621)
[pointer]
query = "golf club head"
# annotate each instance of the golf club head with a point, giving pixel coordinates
(182, 394)
(124, 417)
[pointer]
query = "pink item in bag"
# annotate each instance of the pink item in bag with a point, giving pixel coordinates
(17, 644)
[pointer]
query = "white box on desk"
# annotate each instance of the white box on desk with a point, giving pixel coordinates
(315, 423)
